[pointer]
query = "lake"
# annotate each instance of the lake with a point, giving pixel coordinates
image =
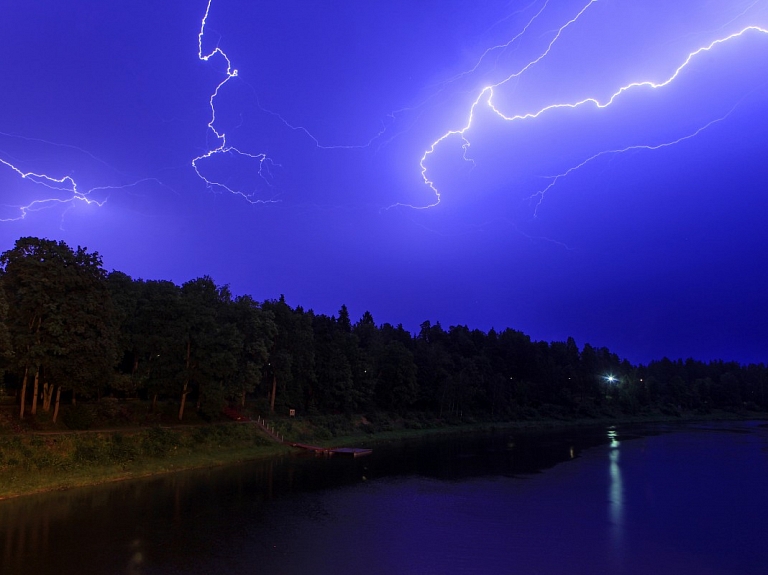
(661, 499)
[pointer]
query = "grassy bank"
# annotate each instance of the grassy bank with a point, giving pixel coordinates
(39, 462)
(399, 428)
(35, 461)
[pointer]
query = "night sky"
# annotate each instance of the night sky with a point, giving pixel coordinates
(473, 163)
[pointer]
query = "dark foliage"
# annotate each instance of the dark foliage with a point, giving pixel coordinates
(95, 334)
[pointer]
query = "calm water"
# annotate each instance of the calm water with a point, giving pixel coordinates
(658, 499)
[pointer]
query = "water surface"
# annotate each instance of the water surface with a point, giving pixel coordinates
(654, 499)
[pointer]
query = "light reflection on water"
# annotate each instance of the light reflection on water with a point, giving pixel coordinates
(661, 500)
(615, 491)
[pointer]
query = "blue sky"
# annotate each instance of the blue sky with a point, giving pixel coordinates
(636, 225)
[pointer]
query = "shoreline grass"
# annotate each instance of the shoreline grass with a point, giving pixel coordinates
(368, 440)
(38, 462)
(34, 463)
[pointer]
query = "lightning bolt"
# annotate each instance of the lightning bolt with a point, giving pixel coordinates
(263, 162)
(638, 147)
(485, 94)
(323, 146)
(65, 184)
(392, 116)
(500, 47)
(68, 191)
(485, 98)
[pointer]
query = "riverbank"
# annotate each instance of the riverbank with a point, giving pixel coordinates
(532, 425)
(37, 462)
(33, 463)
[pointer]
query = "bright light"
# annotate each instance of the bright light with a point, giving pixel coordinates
(487, 96)
(611, 378)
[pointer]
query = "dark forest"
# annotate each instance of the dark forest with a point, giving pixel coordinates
(71, 331)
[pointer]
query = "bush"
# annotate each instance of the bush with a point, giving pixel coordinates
(527, 412)
(202, 434)
(669, 409)
(110, 410)
(121, 450)
(227, 435)
(90, 450)
(78, 417)
(379, 422)
(551, 411)
(588, 410)
(158, 442)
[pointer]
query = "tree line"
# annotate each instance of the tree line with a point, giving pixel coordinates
(69, 327)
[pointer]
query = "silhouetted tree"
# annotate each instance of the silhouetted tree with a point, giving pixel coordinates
(61, 319)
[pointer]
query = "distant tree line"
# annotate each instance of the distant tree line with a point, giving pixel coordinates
(69, 328)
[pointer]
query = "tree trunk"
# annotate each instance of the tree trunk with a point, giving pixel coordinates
(74, 400)
(183, 400)
(184, 391)
(26, 369)
(242, 399)
(154, 403)
(34, 391)
(23, 393)
(274, 391)
(58, 399)
(47, 396)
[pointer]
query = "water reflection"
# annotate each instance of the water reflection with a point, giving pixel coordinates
(136, 561)
(123, 528)
(615, 491)
(448, 505)
(187, 517)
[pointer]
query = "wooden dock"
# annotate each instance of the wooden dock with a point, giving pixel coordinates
(326, 451)
(340, 451)
(312, 448)
(351, 451)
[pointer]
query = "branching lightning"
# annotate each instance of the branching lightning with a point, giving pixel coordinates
(262, 160)
(638, 147)
(392, 116)
(68, 189)
(500, 47)
(318, 143)
(65, 184)
(486, 98)
(485, 94)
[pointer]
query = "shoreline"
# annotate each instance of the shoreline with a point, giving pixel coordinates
(94, 476)
(32, 482)
(530, 425)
